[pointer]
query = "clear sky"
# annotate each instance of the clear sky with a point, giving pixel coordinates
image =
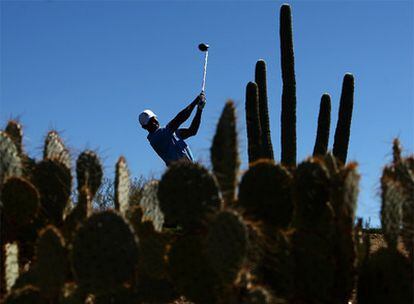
(87, 69)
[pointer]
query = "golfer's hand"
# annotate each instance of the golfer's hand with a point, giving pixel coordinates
(202, 101)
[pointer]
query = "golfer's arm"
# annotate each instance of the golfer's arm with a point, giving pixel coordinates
(193, 129)
(183, 115)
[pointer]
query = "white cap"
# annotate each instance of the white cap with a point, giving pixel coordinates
(145, 116)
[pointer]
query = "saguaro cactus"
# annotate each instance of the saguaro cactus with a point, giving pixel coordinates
(254, 132)
(324, 123)
(288, 116)
(343, 127)
(260, 79)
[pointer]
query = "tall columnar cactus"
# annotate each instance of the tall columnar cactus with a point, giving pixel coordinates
(254, 131)
(122, 185)
(288, 115)
(15, 132)
(260, 79)
(324, 123)
(225, 154)
(343, 127)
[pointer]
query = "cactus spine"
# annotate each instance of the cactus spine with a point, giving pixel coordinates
(343, 127)
(288, 115)
(225, 154)
(254, 132)
(260, 79)
(324, 122)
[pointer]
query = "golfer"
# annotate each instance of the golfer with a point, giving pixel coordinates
(168, 141)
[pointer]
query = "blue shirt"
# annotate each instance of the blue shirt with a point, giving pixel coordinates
(169, 145)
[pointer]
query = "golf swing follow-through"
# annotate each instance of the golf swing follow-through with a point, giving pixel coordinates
(169, 141)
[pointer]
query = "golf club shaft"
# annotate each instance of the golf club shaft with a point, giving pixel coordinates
(203, 86)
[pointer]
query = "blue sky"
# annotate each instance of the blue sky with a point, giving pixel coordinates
(87, 69)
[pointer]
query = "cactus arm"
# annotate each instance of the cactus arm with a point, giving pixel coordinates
(343, 127)
(288, 115)
(252, 121)
(260, 79)
(324, 123)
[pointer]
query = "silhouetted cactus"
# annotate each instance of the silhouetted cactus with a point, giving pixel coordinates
(254, 132)
(51, 263)
(122, 184)
(27, 294)
(260, 79)
(188, 193)
(191, 272)
(54, 183)
(89, 171)
(288, 115)
(386, 277)
(226, 245)
(324, 122)
(343, 126)
(265, 193)
(104, 253)
(224, 153)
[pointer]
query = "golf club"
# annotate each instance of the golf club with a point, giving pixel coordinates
(204, 48)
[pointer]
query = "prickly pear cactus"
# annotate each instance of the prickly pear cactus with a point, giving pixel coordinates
(51, 262)
(20, 202)
(10, 161)
(226, 245)
(28, 294)
(188, 193)
(104, 254)
(15, 132)
(265, 193)
(54, 182)
(89, 171)
(55, 149)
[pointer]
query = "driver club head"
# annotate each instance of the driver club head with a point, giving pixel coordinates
(203, 47)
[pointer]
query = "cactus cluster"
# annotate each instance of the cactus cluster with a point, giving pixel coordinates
(284, 233)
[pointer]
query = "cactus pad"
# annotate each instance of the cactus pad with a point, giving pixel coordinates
(265, 193)
(150, 205)
(51, 262)
(25, 295)
(10, 162)
(226, 245)
(104, 253)
(55, 149)
(20, 201)
(89, 171)
(387, 277)
(54, 182)
(187, 194)
(15, 132)
(191, 271)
